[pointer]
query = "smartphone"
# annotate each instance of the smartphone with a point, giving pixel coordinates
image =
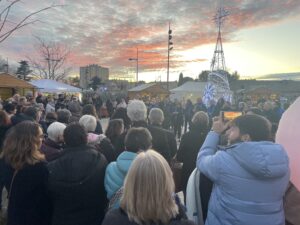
(230, 115)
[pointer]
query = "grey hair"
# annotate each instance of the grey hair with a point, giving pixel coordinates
(88, 122)
(200, 118)
(65, 111)
(55, 131)
(137, 110)
(156, 116)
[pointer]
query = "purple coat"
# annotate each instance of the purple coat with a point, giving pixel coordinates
(51, 150)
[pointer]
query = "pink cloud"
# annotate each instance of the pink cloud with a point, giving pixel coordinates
(108, 32)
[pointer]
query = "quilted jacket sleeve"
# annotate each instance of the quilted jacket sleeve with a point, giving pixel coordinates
(208, 161)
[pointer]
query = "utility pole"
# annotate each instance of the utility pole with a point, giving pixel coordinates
(170, 47)
(49, 67)
(137, 64)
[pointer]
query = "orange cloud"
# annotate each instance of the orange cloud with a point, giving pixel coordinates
(108, 32)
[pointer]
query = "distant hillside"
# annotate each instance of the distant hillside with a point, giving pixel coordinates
(281, 76)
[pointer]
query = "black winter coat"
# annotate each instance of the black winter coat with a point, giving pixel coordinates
(119, 216)
(118, 143)
(98, 129)
(29, 202)
(171, 140)
(160, 141)
(3, 131)
(189, 147)
(76, 185)
(107, 149)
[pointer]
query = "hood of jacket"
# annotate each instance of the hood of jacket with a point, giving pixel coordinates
(116, 172)
(262, 159)
(124, 161)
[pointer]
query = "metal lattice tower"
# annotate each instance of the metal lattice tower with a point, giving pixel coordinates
(218, 61)
(218, 86)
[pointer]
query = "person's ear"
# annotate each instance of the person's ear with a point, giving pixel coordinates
(245, 137)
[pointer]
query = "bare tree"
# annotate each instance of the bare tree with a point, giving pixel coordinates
(52, 61)
(8, 26)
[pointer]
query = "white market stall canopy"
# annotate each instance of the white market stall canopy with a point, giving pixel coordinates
(52, 86)
(190, 90)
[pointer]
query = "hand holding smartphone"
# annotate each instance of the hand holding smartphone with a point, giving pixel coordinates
(218, 125)
(230, 115)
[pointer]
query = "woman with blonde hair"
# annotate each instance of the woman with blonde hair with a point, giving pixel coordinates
(24, 173)
(148, 195)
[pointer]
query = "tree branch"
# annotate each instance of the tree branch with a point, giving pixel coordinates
(7, 34)
(52, 59)
(22, 22)
(9, 6)
(5, 18)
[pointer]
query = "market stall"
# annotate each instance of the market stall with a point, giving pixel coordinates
(53, 86)
(148, 91)
(190, 90)
(10, 85)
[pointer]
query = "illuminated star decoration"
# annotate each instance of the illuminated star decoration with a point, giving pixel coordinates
(209, 93)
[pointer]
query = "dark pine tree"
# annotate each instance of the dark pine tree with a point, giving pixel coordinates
(203, 76)
(95, 82)
(180, 80)
(23, 70)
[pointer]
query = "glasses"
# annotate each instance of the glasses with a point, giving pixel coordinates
(42, 136)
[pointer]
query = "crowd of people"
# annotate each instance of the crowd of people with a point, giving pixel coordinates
(60, 167)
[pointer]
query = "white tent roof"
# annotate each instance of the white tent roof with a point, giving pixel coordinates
(190, 90)
(52, 86)
(190, 86)
(141, 87)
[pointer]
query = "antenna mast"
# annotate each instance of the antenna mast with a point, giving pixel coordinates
(218, 61)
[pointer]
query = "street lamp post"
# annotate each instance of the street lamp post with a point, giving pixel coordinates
(6, 66)
(137, 64)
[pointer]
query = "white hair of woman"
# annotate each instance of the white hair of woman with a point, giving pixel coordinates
(88, 122)
(137, 110)
(55, 131)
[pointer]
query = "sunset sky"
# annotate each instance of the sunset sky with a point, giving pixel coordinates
(260, 36)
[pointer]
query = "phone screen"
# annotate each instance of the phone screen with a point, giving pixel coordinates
(230, 115)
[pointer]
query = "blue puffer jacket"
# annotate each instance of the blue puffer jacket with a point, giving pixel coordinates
(116, 171)
(250, 179)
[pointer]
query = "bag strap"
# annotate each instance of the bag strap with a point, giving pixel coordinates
(11, 184)
(116, 197)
